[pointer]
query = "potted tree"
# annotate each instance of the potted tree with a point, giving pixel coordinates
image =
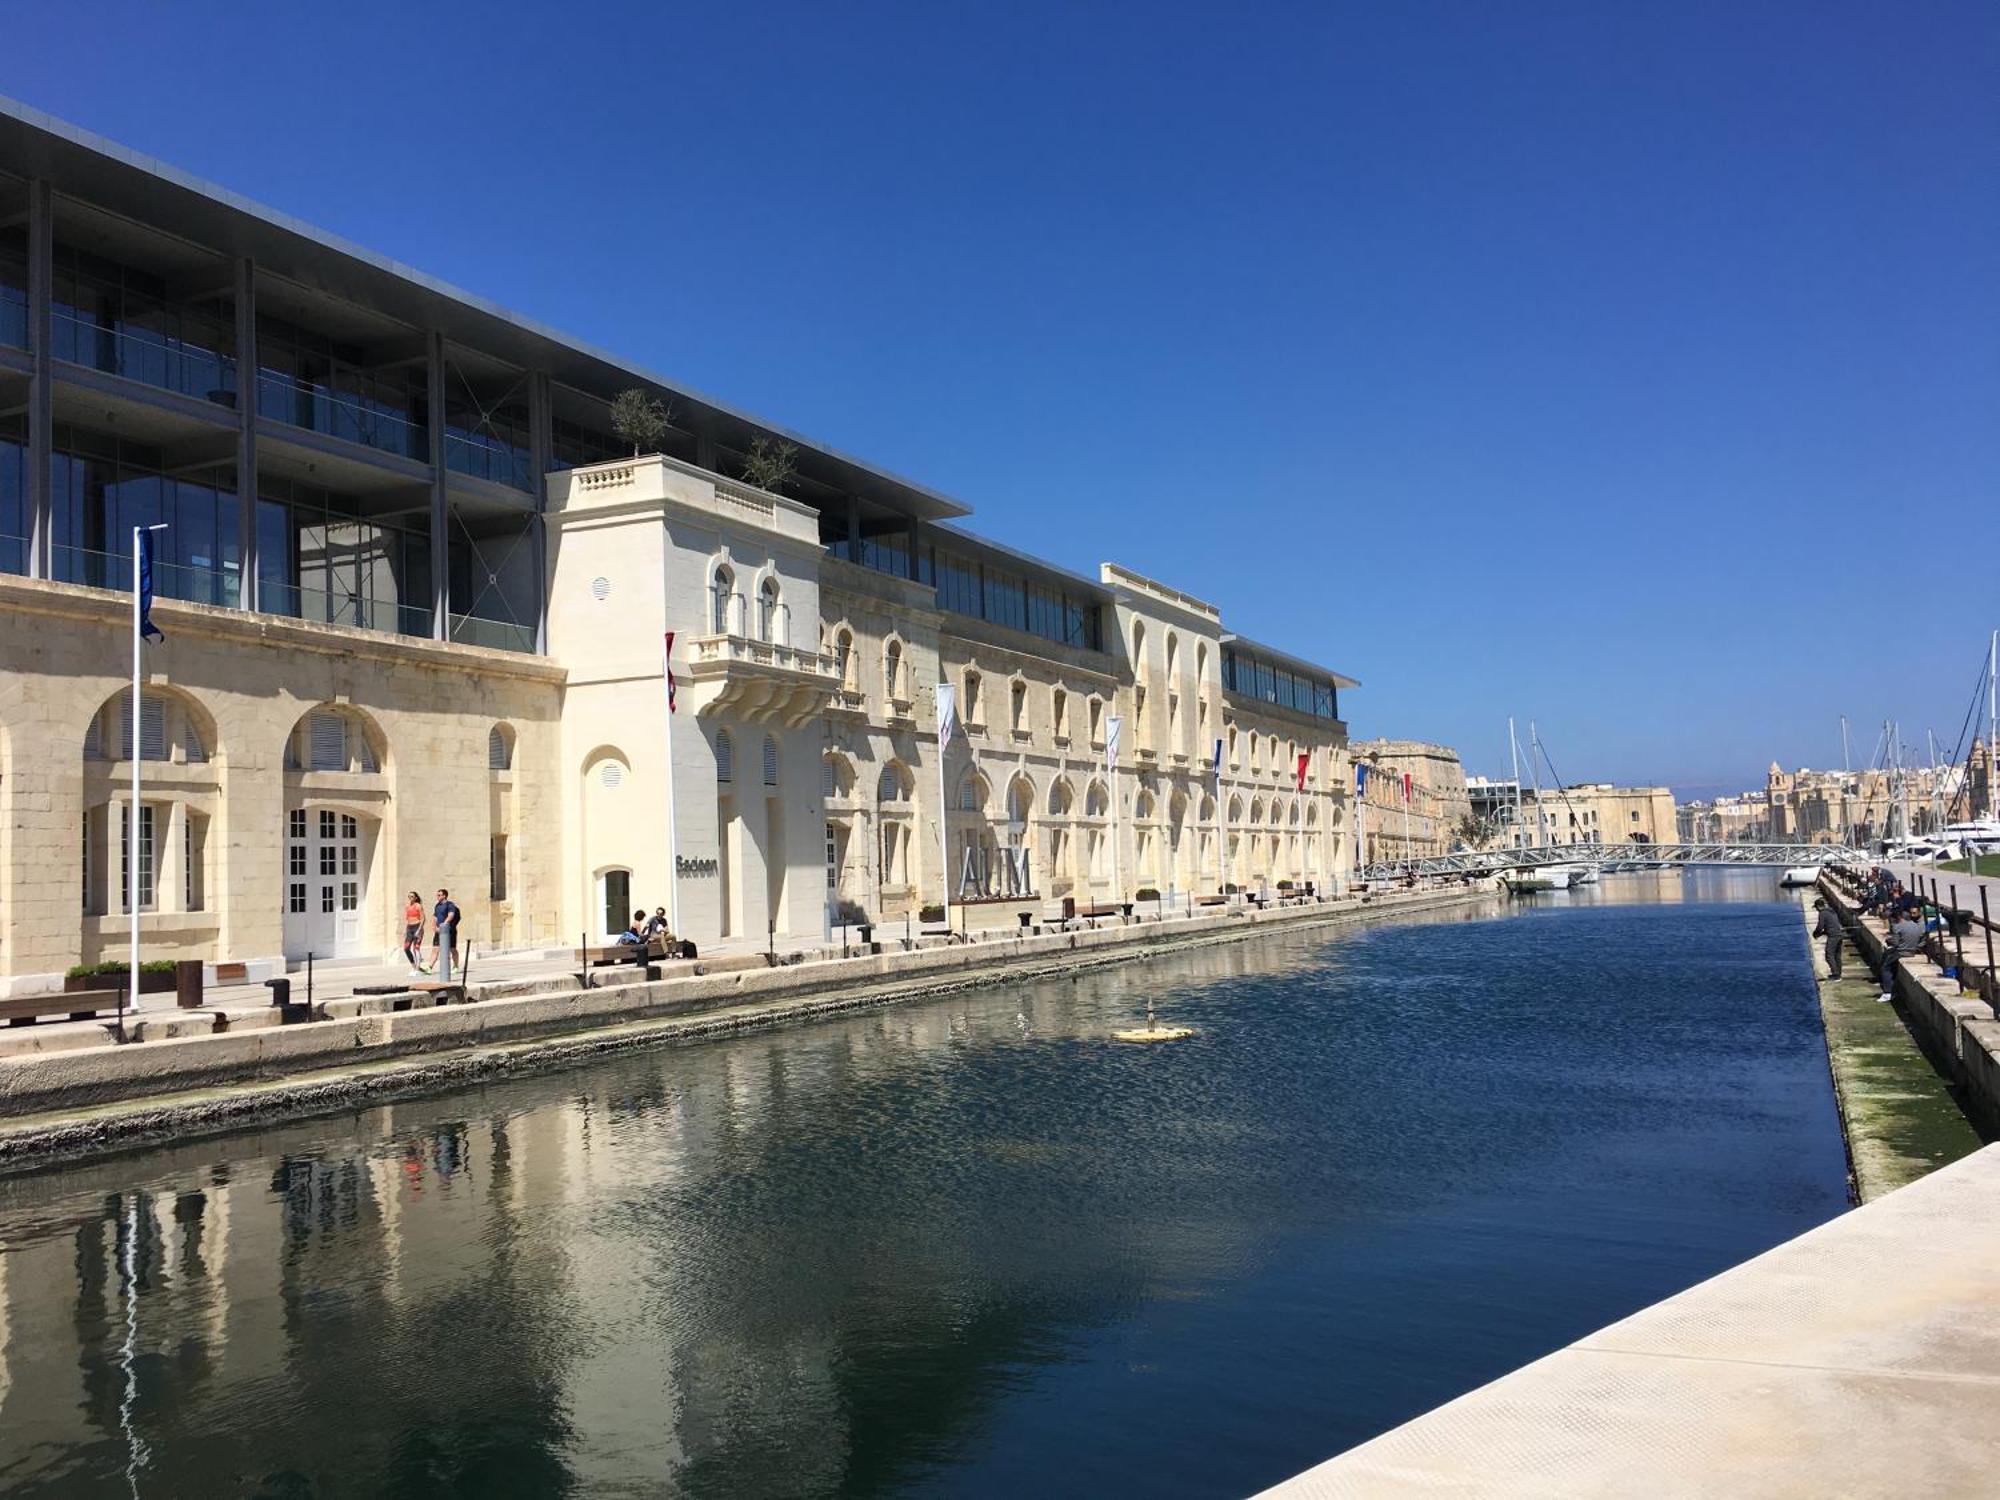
(641, 419)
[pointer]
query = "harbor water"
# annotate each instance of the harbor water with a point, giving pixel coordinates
(966, 1246)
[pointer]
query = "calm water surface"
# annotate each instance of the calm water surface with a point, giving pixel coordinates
(964, 1248)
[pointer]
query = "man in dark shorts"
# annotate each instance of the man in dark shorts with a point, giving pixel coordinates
(444, 922)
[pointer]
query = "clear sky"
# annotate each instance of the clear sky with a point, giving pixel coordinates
(1634, 366)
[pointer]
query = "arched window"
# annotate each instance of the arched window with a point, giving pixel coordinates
(1017, 706)
(1142, 806)
(767, 609)
(720, 591)
(770, 761)
(499, 748)
(1096, 803)
(971, 706)
(1059, 713)
(894, 785)
(725, 757)
(972, 793)
(165, 723)
(1020, 800)
(1139, 647)
(1060, 798)
(843, 657)
(1097, 721)
(1173, 656)
(892, 668)
(1232, 744)
(332, 739)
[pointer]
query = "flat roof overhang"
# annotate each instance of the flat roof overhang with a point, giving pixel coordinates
(151, 192)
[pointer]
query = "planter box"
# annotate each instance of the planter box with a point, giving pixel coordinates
(149, 984)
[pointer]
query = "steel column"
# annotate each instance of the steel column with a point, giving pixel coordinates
(440, 498)
(246, 432)
(41, 383)
(541, 443)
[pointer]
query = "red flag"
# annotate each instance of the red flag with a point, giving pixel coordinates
(1406, 786)
(1304, 761)
(673, 687)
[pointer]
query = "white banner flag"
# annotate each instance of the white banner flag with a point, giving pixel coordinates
(947, 715)
(1111, 742)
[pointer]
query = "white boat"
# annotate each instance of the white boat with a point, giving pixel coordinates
(1800, 875)
(1976, 836)
(1917, 851)
(1528, 878)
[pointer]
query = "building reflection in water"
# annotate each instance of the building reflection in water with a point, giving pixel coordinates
(808, 1261)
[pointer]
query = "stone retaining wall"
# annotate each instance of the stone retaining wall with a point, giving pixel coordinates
(1958, 1032)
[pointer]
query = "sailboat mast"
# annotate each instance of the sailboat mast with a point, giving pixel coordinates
(1993, 726)
(1514, 751)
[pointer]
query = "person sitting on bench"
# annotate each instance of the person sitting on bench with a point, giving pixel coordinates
(635, 935)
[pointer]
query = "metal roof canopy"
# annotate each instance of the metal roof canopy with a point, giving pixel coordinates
(142, 188)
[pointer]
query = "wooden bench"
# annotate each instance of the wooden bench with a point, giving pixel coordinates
(74, 1005)
(650, 951)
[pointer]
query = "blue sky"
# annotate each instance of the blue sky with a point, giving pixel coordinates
(1633, 366)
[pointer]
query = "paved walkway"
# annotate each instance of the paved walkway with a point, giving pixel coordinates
(1860, 1359)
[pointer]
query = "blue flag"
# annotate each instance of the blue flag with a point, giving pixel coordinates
(1215, 766)
(147, 629)
(1360, 780)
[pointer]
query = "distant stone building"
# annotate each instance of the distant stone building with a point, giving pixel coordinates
(1436, 803)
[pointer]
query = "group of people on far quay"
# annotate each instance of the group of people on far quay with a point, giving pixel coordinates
(1881, 893)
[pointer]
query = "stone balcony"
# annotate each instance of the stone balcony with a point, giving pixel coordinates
(760, 679)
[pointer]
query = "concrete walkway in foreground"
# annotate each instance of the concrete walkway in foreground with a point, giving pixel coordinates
(1860, 1359)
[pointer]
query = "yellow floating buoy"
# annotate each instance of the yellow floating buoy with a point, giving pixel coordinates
(1152, 1031)
(1152, 1034)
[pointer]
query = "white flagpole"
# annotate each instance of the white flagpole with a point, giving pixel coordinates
(944, 828)
(1111, 772)
(132, 812)
(673, 811)
(1222, 824)
(1360, 840)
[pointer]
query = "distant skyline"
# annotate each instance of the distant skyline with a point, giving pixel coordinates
(1631, 367)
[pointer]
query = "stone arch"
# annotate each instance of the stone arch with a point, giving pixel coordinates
(895, 784)
(1062, 798)
(174, 725)
(837, 777)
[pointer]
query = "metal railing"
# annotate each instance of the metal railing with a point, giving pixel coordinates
(340, 414)
(113, 570)
(1476, 862)
(500, 635)
(487, 457)
(339, 607)
(156, 359)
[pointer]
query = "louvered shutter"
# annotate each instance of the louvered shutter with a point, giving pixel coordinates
(327, 742)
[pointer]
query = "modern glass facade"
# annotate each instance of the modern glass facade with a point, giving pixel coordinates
(1250, 675)
(308, 380)
(13, 495)
(102, 487)
(985, 590)
(116, 319)
(14, 287)
(320, 559)
(489, 442)
(573, 444)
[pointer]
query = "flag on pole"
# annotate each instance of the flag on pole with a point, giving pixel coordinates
(147, 629)
(1112, 730)
(947, 716)
(1406, 786)
(1215, 766)
(1305, 760)
(1360, 780)
(673, 684)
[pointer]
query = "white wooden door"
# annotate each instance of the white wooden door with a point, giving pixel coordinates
(326, 884)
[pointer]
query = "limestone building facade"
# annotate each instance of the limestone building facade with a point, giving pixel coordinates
(417, 608)
(1413, 798)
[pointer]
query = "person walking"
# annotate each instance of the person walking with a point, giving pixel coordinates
(413, 933)
(444, 922)
(1830, 927)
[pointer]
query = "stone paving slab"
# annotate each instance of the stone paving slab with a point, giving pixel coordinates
(1860, 1359)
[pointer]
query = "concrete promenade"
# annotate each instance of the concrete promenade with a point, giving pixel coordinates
(69, 1101)
(1860, 1359)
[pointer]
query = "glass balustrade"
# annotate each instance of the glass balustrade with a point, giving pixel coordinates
(355, 419)
(161, 360)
